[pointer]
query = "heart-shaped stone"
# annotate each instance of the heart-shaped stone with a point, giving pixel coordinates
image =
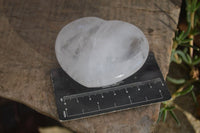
(96, 53)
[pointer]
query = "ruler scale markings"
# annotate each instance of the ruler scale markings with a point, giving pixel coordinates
(130, 99)
(144, 87)
(77, 100)
(126, 90)
(90, 98)
(98, 105)
(162, 83)
(64, 114)
(138, 88)
(113, 88)
(115, 107)
(160, 93)
(150, 86)
(61, 99)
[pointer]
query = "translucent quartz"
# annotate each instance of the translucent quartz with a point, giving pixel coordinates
(96, 53)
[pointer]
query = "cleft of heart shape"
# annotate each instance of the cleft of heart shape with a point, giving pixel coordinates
(97, 53)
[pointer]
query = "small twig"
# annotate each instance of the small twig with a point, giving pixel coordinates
(191, 36)
(192, 120)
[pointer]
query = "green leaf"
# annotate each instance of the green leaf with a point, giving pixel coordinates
(185, 41)
(174, 116)
(189, 59)
(184, 92)
(180, 35)
(184, 56)
(181, 38)
(196, 61)
(164, 115)
(194, 98)
(190, 46)
(175, 81)
(187, 31)
(160, 114)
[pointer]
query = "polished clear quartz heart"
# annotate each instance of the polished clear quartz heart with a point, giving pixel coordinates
(96, 53)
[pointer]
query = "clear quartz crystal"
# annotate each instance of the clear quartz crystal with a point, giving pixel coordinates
(96, 53)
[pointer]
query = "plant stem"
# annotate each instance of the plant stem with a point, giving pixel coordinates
(191, 36)
(174, 46)
(178, 61)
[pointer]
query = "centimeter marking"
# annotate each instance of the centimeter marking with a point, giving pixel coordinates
(99, 109)
(136, 84)
(88, 94)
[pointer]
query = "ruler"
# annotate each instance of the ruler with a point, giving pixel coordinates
(75, 101)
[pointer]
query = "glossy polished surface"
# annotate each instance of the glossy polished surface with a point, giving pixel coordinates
(95, 52)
